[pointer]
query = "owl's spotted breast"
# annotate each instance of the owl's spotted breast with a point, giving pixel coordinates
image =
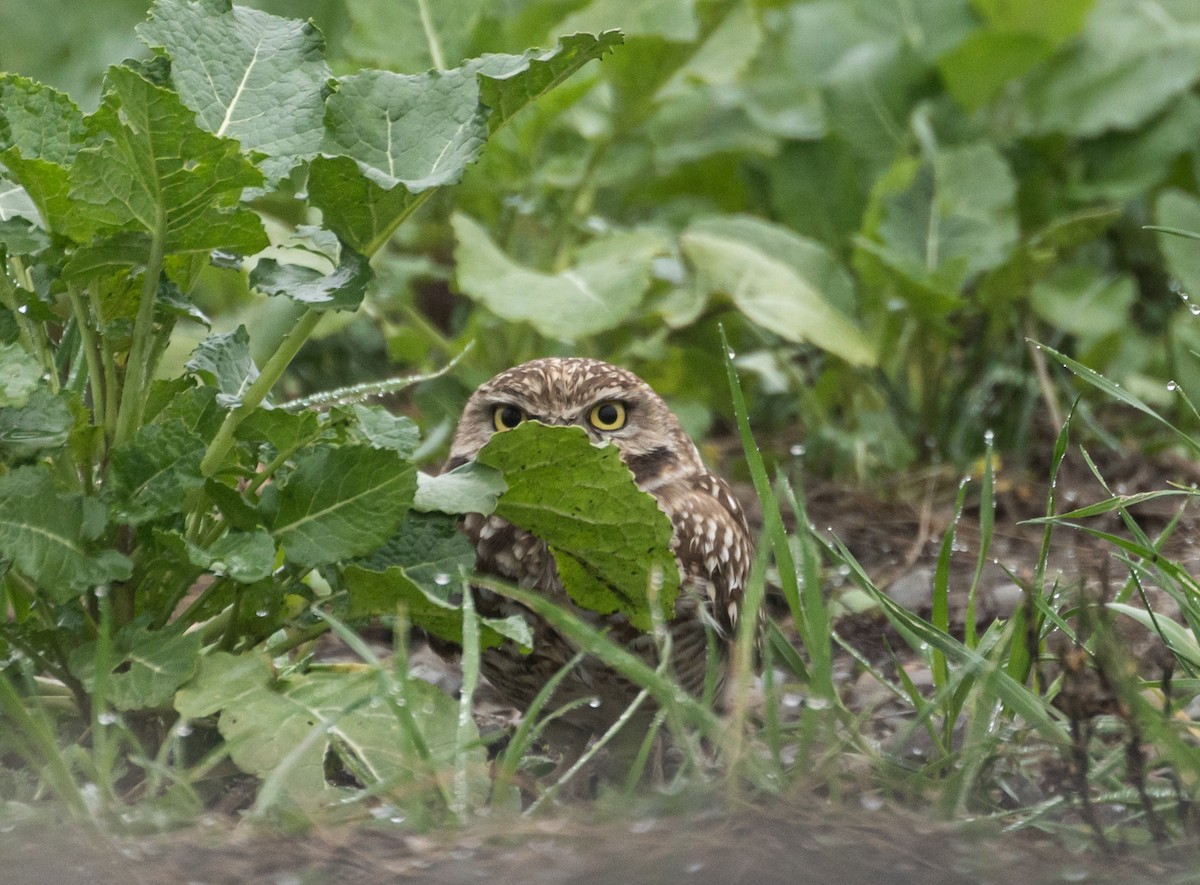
(711, 541)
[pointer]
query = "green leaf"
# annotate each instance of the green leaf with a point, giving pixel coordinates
(607, 281)
(1080, 301)
(147, 669)
(341, 289)
(224, 362)
(980, 67)
(784, 282)
(41, 131)
(20, 375)
(46, 535)
(222, 679)
(339, 503)
(383, 430)
(508, 83)
(438, 613)
(1018, 35)
(609, 539)
(44, 422)
(938, 222)
(283, 430)
(248, 75)
(468, 488)
(421, 567)
(158, 173)
(430, 549)
(1124, 166)
(1132, 60)
(152, 473)
(245, 557)
(305, 720)
(391, 138)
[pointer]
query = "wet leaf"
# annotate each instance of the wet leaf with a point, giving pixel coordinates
(47, 535)
(609, 539)
(339, 503)
(248, 75)
(158, 173)
(152, 473)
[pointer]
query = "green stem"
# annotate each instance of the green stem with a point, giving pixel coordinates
(257, 392)
(436, 55)
(386, 234)
(91, 352)
(138, 370)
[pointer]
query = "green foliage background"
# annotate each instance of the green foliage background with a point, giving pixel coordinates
(926, 187)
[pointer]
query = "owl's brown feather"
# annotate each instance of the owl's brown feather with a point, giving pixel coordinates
(711, 541)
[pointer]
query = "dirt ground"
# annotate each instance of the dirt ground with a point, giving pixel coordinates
(895, 533)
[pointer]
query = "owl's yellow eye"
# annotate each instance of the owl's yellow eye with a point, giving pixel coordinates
(607, 416)
(507, 417)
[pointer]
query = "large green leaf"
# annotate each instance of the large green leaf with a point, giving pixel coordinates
(146, 669)
(600, 290)
(339, 503)
(152, 472)
(421, 568)
(390, 138)
(248, 75)
(304, 721)
(784, 282)
(158, 173)
(609, 539)
(47, 534)
(1131, 60)
(938, 221)
(41, 131)
(1017, 36)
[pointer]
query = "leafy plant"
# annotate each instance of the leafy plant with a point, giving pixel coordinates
(165, 540)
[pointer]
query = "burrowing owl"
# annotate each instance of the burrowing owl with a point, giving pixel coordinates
(711, 541)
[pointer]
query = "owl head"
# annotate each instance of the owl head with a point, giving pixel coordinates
(611, 404)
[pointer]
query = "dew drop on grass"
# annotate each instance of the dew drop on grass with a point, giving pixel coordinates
(989, 437)
(183, 728)
(441, 579)
(106, 718)
(261, 613)
(797, 451)
(1172, 386)
(594, 703)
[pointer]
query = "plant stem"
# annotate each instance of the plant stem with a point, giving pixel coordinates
(138, 370)
(91, 352)
(436, 55)
(257, 392)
